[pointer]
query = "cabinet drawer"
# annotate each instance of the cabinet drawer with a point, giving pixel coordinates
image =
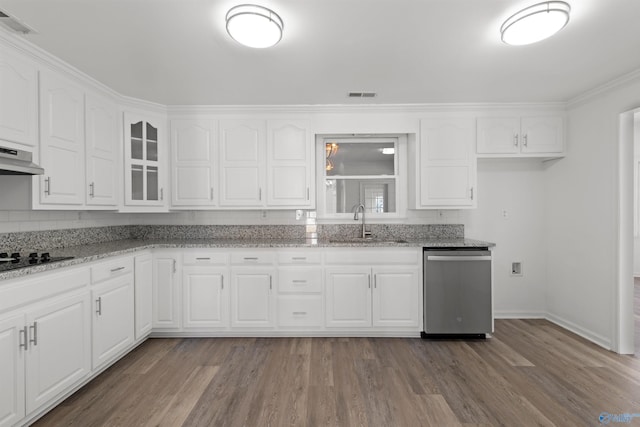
(300, 311)
(373, 256)
(253, 258)
(299, 257)
(299, 279)
(114, 268)
(204, 258)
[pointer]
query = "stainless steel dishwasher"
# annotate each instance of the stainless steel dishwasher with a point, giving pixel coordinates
(457, 293)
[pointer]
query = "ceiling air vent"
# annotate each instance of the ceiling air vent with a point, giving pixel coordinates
(362, 94)
(14, 23)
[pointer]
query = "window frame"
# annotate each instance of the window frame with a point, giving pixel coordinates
(400, 167)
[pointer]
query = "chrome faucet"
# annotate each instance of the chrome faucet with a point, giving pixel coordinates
(360, 208)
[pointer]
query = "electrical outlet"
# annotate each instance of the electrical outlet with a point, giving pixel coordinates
(263, 214)
(299, 213)
(505, 214)
(516, 268)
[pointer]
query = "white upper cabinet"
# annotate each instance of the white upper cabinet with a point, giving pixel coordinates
(18, 99)
(446, 169)
(144, 167)
(101, 122)
(241, 162)
(520, 136)
(194, 163)
(62, 142)
(279, 176)
(289, 164)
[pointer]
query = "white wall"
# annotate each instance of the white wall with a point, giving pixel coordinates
(582, 215)
(515, 187)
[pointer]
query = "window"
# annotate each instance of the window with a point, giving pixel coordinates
(358, 171)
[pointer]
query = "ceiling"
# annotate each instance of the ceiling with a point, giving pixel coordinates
(177, 52)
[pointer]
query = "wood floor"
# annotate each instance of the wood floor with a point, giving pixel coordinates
(530, 373)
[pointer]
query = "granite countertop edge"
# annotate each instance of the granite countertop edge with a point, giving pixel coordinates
(83, 254)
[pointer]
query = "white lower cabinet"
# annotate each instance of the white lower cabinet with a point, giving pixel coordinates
(252, 297)
(373, 288)
(297, 311)
(348, 297)
(143, 290)
(205, 297)
(166, 291)
(113, 318)
(396, 297)
(59, 353)
(12, 353)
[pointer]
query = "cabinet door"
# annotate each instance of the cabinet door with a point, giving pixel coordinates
(542, 135)
(166, 292)
(113, 318)
(193, 163)
(143, 295)
(241, 163)
(144, 168)
(101, 149)
(498, 135)
(396, 296)
(18, 99)
(447, 162)
(59, 352)
(61, 141)
(13, 342)
(348, 297)
(252, 298)
(205, 300)
(289, 164)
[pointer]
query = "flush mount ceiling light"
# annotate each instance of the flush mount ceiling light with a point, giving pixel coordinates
(535, 23)
(254, 26)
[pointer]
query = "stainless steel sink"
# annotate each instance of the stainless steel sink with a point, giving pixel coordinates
(365, 241)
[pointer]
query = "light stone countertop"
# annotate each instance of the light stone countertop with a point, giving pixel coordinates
(87, 253)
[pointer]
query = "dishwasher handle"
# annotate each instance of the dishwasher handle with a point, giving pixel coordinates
(459, 258)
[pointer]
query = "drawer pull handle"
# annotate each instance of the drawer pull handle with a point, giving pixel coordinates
(34, 328)
(299, 313)
(113, 270)
(23, 333)
(299, 258)
(99, 306)
(203, 258)
(252, 258)
(299, 281)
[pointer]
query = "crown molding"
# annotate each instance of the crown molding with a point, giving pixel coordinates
(21, 43)
(603, 89)
(360, 108)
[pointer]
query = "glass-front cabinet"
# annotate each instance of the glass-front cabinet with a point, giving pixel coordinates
(144, 170)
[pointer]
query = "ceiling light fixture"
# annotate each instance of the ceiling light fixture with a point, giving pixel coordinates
(535, 23)
(254, 26)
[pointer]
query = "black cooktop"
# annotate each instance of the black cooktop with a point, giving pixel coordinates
(15, 260)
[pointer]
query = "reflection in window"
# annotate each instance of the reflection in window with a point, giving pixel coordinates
(360, 172)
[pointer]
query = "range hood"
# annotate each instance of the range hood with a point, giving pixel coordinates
(17, 162)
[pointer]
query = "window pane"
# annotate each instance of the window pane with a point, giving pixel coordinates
(137, 184)
(353, 159)
(136, 141)
(377, 195)
(152, 150)
(152, 183)
(152, 133)
(136, 130)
